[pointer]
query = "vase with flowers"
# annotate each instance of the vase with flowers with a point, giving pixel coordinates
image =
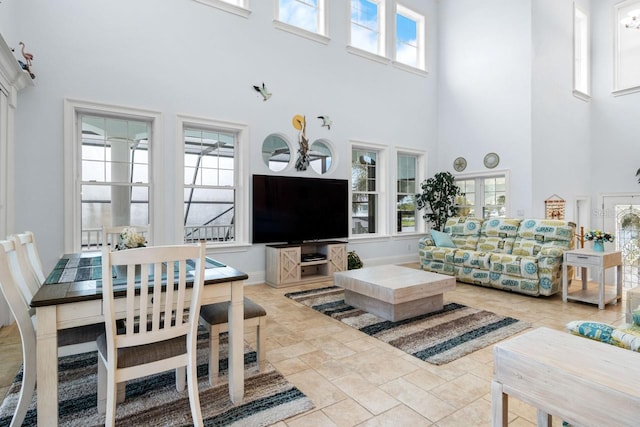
(130, 238)
(598, 237)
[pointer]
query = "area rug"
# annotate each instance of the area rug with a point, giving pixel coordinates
(154, 401)
(437, 338)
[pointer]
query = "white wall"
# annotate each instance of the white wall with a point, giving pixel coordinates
(485, 90)
(561, 134)
(187, 58)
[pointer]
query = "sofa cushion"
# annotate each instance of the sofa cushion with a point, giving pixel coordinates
(590, 329)
(441, 239)
(464, 231)
(502, 245)
(500, 227)
(514, 265)
(543, 237)
(473, 259)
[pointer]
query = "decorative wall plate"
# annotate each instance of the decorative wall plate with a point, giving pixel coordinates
(491, 160)
(460, 164)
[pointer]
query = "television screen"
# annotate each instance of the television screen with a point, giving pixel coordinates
(294, 210)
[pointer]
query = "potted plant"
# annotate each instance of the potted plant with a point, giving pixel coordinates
(438, 197)
(353, 261)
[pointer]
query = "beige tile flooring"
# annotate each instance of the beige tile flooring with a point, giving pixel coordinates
(356, 380)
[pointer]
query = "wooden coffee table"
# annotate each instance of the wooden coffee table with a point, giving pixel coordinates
(393, 292)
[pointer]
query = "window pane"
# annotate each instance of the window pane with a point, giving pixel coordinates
(410, 33)
(365, 25)
(209, 214)
(364, 213)
(406, 188)
(301, 13)
(406, 213)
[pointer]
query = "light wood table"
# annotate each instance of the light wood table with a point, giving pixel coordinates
(394, 292)
(76, 303)
(581, 381)
(587, 258)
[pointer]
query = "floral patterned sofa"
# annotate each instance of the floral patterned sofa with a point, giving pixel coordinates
(521, 255)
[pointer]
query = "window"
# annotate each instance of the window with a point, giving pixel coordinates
(581, 55)
(308, 15)
(213, 206)
(626, 47)
(367, 26)
(111, 154)
(484, 197)
(410, 38)
(366, 191)
(408, 176)
(237, 7)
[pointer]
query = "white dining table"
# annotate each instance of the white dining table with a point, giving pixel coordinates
(69, 303)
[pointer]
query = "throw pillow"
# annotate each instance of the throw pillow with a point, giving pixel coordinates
(442, 240)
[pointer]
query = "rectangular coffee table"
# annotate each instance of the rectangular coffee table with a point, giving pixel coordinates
(393, 292)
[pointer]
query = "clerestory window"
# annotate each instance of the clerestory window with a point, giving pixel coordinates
(306, 15)
(410, 38)
(367, 30)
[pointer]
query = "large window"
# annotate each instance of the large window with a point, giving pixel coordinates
(367, 26)
(484, 197)
(410, 38)
(238, 7)
(111, 159)
(212, 162)
(365, 191)
(308, 15)
(581, 55)
(407, 179)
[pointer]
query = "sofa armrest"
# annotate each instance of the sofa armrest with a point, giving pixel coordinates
(425, 241)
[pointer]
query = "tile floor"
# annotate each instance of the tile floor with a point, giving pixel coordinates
(356, 380)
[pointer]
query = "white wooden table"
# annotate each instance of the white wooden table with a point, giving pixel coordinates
(587, 258)
(581, 381)
(65, 305)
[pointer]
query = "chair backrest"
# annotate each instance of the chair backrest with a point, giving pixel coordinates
(112, 236)
(161, 311)
(29, 260)
(11, 284)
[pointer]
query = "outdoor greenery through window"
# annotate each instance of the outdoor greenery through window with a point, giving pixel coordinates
(406, 190)
(364, 190)
(410, 37)
(115, 184)
(484, 197)
(367, 25)
(209, 185)
(305, 14)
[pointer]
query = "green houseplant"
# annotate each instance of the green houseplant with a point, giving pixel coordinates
(353, 261)
(438, 198)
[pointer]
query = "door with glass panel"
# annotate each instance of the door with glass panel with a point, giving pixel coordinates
(620, 215)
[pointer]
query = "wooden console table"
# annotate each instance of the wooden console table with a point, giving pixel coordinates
(581, 381)
(587, 258)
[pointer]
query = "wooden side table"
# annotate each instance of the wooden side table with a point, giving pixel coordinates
(587, 258)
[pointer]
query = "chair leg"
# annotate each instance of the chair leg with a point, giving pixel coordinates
(102, 386)
(260, 339)
(181, 377)
(28, 385)
(194, 397)
(214, 356)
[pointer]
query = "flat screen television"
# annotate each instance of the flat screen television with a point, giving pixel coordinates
(295, 210)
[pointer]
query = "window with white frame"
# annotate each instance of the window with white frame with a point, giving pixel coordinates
(238, 7)
(367, 30)
(209, 184)
(109, 182)
(365, 191)
(483, 196)
(407, 179)
(308, 15)
(581, 54)
(626, 78)
(410, 38)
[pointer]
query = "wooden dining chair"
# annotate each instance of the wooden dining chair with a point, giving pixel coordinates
(161, 323)
(215, 317)
(29, 262)
(70, 340)
(111, 234)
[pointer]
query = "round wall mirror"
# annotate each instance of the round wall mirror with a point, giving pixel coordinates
(320, 156)
(276, 152)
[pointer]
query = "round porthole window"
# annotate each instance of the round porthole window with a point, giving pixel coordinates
(320, 156)
(276, 152)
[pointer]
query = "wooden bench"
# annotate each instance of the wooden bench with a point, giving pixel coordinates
(581, 381)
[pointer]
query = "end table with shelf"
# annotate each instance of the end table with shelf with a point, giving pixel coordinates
(585, 259)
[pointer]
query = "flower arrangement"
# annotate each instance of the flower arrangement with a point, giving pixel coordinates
(598, 236)
(129, 239)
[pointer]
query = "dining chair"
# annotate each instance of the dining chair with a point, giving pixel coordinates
(70, 340)
(215, 318)
(111, 234)
(161, 323)
(27, 242)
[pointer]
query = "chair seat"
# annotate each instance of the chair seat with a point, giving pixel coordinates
(142, 354)
(80, 334)
(218, 313)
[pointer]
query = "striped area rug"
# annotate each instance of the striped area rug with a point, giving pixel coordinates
(154, 401)
(437, 338)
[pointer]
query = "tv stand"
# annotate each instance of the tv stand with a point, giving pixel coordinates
(299, 263)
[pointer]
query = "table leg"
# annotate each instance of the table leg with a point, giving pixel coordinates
(499, 406)
(544, 419)
(619, 282)
(565, 282)
(601, 289)
(236, 342)
(47, 356)
(584, 275)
